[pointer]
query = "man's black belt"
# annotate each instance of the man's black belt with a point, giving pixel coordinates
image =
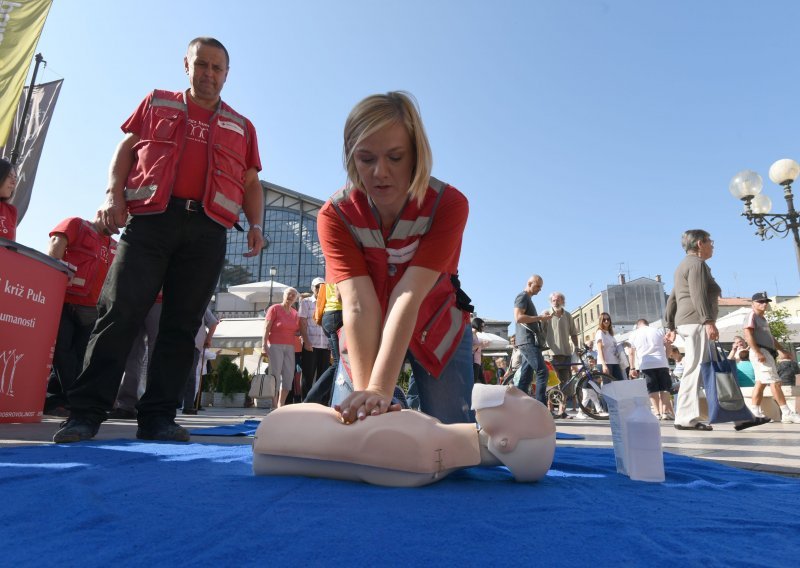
(189, 205)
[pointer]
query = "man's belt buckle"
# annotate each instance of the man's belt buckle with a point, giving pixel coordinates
(193, 206)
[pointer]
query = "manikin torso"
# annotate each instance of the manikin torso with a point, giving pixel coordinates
(407, 448)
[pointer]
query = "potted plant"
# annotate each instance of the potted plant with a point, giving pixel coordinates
(231, 385)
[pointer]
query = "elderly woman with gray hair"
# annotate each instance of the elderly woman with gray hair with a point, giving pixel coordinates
(692, 310)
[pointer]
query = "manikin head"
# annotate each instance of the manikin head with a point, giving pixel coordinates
(520, 429)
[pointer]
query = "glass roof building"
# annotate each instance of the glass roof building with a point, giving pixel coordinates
(292, 245)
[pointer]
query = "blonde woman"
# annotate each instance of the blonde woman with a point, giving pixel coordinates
(392, 241)
(607, 350)
(280, 330)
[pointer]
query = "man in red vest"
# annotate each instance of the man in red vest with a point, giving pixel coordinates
(88, 251)
(187, 164)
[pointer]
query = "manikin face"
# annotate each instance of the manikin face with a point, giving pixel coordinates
(519, 417)
(9, 185)
(207, 68)
(385, 163)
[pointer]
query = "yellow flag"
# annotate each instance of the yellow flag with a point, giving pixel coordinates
(21, 24)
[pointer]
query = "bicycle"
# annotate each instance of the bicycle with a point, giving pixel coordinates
(586, 381)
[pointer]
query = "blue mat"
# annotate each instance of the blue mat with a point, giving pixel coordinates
(248, 428)
(132, 503)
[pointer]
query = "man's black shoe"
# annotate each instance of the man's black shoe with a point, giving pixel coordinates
(76, 429)
(164, 430)
(122, 414)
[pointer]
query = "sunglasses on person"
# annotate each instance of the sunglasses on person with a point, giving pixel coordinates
(606, 319)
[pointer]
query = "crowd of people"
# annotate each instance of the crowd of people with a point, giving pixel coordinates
(543, 341)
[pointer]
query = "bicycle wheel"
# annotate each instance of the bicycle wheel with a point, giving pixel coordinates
(589, 396)
(556, 401)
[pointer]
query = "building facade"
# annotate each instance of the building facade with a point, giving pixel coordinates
(625, 302)
(292, 248)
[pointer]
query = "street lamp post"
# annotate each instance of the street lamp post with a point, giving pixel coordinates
(747, 186)
(272, 273)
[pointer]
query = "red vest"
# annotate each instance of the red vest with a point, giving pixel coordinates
(440, 323)
(90, 256)
(158, 152)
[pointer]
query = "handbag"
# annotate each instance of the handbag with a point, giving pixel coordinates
(539, 335)
(262, 388)
(723, 394)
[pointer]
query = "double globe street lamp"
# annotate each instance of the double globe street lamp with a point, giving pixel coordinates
(747, 186)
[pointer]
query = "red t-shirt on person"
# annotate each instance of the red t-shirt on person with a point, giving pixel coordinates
(439, 248)
(8, 221)
(72, 228)
(190, 178)
(284, 326)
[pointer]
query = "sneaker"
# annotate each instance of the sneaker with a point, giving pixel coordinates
(164, 430)
(790, 418)
(76, 429)
(581, 416)
(122, 414)
(602, 413)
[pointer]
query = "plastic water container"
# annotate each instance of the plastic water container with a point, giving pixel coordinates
(642, 442)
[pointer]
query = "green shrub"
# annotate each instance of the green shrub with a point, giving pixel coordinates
(230, 379)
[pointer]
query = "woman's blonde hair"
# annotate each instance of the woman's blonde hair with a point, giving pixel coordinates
(376, 112)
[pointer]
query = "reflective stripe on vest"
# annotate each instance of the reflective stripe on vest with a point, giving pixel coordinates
(237, 119)
(452, 333)
(403, 229)
(144, 192)
(225, 203)
(168, 103)
(78, 281)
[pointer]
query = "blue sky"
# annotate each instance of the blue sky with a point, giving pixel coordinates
(585, 134)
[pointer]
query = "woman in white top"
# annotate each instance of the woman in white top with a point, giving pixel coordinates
(606, 347)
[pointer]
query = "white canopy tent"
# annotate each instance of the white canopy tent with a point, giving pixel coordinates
(733, 324)
(239, 333)
(242, 336)
(259, 292)
(495, 341)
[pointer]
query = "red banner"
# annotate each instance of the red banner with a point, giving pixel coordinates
(32, 289)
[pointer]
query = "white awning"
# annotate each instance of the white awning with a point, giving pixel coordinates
(239, 333)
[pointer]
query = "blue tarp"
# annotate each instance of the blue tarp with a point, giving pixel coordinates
(129, 503)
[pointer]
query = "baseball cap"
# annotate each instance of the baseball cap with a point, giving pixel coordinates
(317, 281)
(761, 297)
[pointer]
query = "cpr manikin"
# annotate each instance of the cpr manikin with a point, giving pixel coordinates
(408, 448)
